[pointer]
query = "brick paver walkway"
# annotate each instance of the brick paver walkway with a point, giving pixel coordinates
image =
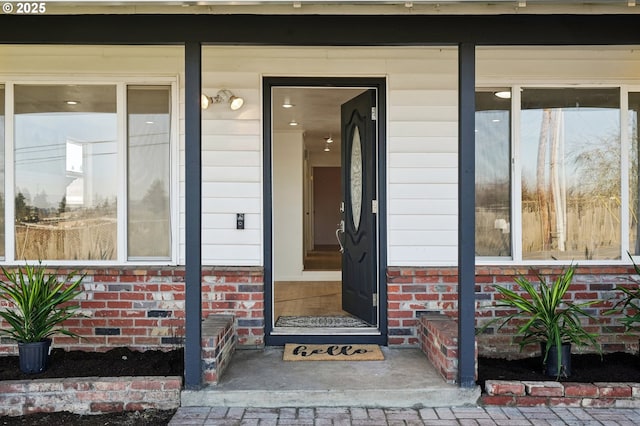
(507, 416)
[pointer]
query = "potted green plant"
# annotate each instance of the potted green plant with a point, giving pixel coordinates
(39, 304)
(546, 318)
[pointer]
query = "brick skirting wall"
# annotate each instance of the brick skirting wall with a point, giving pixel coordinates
(413, 292)
(89, 395)
(218, 344)
(438, 336)
(561, 394)
(143, 308)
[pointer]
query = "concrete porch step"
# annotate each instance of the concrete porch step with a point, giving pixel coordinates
(259, 378)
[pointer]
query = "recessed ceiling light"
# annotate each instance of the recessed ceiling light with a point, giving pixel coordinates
(149, 122)
(71, 102)
(287, 103)
(505, 94)
(495, 120)
(293, 123)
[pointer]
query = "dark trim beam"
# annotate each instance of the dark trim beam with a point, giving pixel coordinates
(331, 30)
(466, 214)
(193, 216)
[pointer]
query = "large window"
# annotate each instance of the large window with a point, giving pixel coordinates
(570, 156)
(568, 161)
(68, 150)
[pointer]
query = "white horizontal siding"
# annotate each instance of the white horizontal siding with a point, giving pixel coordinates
(422, 159)
(426, 206)
(423, 222)
(571, 65)
(410, 175)
(422, 114)
(427, 253)
(424, 238)
(417, 190)
(422, 124)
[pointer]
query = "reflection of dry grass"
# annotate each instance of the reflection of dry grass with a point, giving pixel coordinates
(149, 238)
(82, 239)
(489, 240)
(593, 231)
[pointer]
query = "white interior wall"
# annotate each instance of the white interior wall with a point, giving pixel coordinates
(287, 196)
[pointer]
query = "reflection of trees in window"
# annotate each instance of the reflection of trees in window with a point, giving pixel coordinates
(22, 209)
(156, 200)
(571, 174)
(634, 199)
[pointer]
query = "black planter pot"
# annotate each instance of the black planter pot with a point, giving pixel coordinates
(34, 357)
(551, 366)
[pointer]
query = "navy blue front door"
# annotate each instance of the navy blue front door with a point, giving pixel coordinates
(359, 218)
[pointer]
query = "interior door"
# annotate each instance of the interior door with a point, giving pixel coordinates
(359, 224)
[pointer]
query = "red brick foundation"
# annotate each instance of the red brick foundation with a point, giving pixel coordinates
(143, 308)
(561, 394)
(89, 395)
(439, 341)
(218, 344)
(413, 292)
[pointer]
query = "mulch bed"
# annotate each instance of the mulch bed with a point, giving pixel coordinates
(585, 368)
(114, 363)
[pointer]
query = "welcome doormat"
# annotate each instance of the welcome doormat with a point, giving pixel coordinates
(332, 321)
(302, 352)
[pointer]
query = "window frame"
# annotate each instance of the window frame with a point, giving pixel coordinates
(516, 173)
(121, 83)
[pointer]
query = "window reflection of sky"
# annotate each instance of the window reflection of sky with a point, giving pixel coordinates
(492, 146)
(41, 158)
(582, 130)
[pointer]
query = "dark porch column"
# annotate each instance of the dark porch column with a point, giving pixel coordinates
(193, 215)
(466, 214)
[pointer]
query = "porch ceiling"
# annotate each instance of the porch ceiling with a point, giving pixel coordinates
(323, 30)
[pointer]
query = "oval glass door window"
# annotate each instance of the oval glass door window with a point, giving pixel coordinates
(356, 179)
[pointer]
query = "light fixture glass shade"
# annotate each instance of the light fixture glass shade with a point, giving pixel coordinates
(223, 96)
(235, 102)
(205, 101)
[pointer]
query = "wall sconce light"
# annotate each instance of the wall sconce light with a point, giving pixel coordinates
(222, 97)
